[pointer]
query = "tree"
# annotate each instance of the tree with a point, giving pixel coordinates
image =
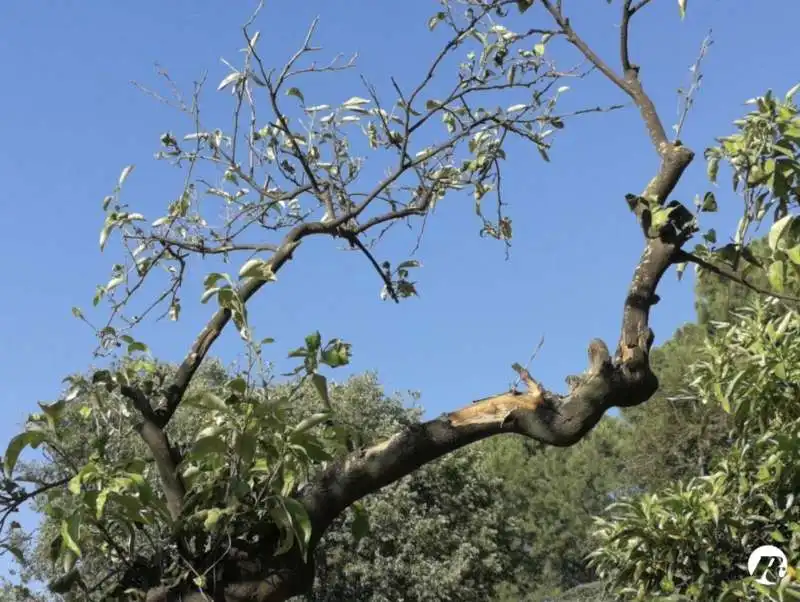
(557, 493)
(500, 520)
(483, 519)
(443, 533)
(240, 513)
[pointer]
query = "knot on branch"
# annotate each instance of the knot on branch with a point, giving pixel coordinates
(599, 365)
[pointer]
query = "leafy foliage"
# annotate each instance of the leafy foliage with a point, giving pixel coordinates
(763, 159)
(244, 452)
(444, 533)
(692, 539)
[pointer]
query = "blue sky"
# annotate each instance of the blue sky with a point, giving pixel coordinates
(72, 120)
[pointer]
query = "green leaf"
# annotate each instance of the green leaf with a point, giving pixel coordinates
(792, 91)
(259, 269)
(209, 445)
(238, 385)
(100, 502)
(411, 263)
(714, 511)
(106, 231)
(137, 346)
(712, 168)
(211, 279)
(280, 516)
(69, 533)
(709, 203)
(321, 385)
(246, 447)
(524, 5)
(313, 341)
(300, 522)
(434, 20)
(308, 445)
(17, 444)
(776, 275)
(360, 526)
(355, 101)
(212, 518)
(794, 254)
(53, 411)
(206, 400)
(228, 80)
(75, 482)
(336, 354)
(710, 236)
(312, 421)
(777, 230)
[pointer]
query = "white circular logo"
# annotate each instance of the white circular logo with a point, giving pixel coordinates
(772, 561)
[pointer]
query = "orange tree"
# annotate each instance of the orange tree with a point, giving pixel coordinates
(235, 510)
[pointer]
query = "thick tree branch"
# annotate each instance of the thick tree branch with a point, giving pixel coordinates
(623, 381)
(158, 443)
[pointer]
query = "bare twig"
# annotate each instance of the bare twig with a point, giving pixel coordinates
(387, 281)
(686, 99)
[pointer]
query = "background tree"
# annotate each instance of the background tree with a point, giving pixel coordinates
(240, 510)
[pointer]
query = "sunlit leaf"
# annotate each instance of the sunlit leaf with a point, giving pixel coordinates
(205, 400)
(258, 269)
(124, 175)
(17, 444)
(228, 80)
(69, 533)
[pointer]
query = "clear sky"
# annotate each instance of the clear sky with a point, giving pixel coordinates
(72, 120)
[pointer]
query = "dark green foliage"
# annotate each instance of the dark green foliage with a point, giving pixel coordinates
(446, 532)
(693, 538)
(674, 435)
